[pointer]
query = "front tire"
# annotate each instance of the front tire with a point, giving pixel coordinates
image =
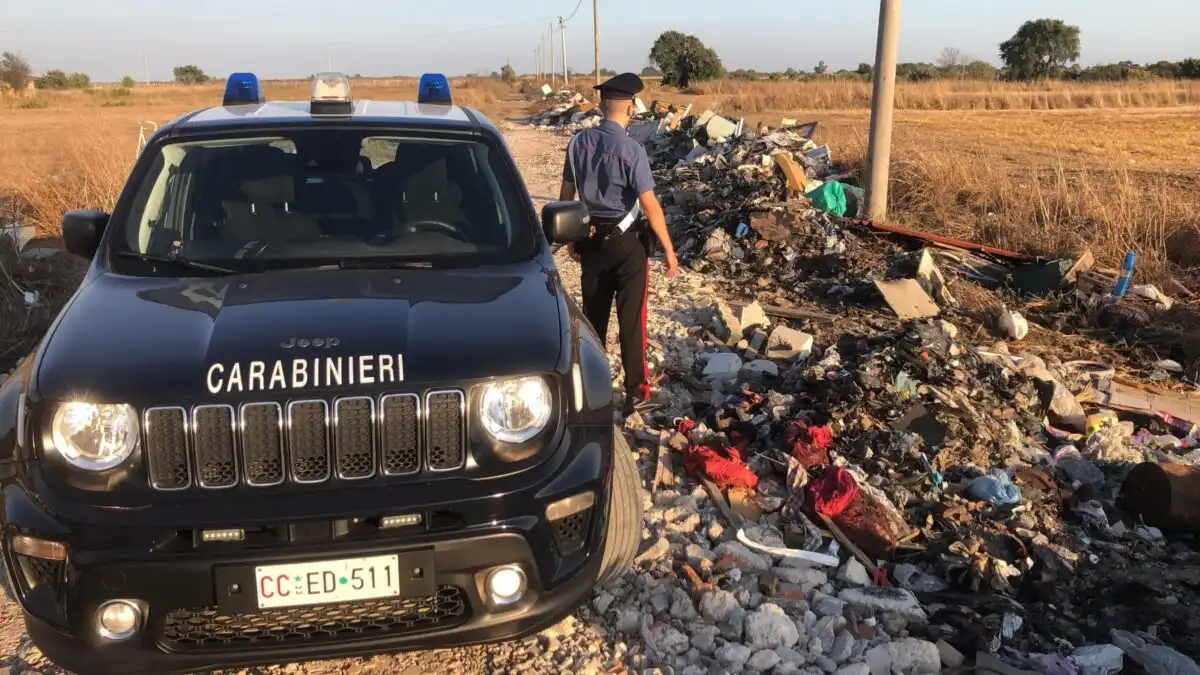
(625, 513)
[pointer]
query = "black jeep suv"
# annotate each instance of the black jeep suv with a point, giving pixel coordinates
(321, 393)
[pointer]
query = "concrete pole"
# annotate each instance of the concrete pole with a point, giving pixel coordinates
(535, 63)
(596, 36)
(562, 37)
(879, 151)
(550, 48)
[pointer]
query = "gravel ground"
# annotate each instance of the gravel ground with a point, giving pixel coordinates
(772, 616)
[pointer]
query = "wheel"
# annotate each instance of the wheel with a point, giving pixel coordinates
(625, 512)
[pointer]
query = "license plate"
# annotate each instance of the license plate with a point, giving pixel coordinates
(315, 583)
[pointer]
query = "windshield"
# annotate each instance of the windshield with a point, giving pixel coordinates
(322, 196)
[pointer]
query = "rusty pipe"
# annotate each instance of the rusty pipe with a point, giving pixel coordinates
(1166, 496)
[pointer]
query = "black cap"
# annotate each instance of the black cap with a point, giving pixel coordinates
(620, 87)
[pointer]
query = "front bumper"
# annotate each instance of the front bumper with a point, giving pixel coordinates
(195, 621)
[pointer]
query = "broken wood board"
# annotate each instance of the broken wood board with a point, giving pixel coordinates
(907, 299)
(664, 474)
(1131, 399)
(787, 312)
(744, 503)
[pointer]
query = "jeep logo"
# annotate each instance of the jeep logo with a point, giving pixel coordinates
(301, 343)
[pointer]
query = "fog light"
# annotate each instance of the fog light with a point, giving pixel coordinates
(506, 585)
(389, 522)
(118, 619)
(38, 548)
(232, 534)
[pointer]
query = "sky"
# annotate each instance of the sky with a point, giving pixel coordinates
(109, 39)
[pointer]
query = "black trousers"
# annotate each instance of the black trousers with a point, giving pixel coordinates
(617, 267)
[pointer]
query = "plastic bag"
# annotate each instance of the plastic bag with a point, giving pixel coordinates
(994, 489)
(1156, 659)
(830, 198)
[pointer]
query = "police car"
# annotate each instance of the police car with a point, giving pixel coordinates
(322, 393)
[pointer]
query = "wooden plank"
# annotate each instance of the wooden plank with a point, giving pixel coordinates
(854, 549)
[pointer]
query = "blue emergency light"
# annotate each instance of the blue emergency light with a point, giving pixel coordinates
(433, 88)
(242, 88)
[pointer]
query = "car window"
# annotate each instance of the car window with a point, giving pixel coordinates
(326, 196)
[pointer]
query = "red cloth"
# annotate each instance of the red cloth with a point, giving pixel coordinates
(724, 465)
(833, 492)
(809, 445)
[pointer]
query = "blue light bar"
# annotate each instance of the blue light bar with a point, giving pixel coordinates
(242, 88)
(433, 88)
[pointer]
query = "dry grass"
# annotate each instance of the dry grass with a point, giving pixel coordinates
(748, 97)
(1110, 176)
(950, 95)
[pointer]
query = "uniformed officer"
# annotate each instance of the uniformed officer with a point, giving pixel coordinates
(612, 174)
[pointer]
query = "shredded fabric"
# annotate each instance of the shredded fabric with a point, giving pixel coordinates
(724, 465)
(808, 444)
(830, 494)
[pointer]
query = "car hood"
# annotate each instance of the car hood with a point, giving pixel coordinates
(278, 334)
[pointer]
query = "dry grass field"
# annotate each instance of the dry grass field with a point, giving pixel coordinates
(1047, 169)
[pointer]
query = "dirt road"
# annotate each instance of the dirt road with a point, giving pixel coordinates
(576, 644)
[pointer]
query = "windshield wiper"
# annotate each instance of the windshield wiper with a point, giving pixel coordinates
(181, 262)
(383, 264)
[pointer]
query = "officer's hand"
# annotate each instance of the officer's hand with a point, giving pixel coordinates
(672, 265)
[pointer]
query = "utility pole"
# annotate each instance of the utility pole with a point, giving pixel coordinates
(146, 67)
(879, 150)
(329, 62)
(596, 36)
(535, 63)
(562, 37)
(550, 47)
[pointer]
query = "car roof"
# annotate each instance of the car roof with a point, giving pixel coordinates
(365, 112)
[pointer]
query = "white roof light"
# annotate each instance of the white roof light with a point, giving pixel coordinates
(330, 94)
(330, 87)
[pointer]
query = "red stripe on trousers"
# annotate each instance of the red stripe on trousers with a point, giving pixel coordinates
(645, 365)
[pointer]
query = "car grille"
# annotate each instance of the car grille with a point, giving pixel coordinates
(262, 444)
(208, 629)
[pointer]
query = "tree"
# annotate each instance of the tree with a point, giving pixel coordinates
(1040, 49)
(951, 58)
(78, 81)
(684, 59)
(650, 71)
(865, 69)
(820, 68)
(1190, 69)
(791, 73)
(52, 79)
(190, 74)
(980, 70)
(127, 82)
(15, 70)
(508, 74)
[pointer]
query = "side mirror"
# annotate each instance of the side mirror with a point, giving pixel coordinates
(565, 222)
(81, 231)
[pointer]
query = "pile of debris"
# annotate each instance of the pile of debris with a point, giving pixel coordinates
(982, 444)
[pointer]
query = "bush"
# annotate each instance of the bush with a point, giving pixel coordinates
(128, 82)
(78, 81)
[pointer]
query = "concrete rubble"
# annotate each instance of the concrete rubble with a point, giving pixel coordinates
(952, 447)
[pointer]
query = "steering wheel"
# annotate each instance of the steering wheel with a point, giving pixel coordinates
(445, 228)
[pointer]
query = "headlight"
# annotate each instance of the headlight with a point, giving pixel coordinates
(95, 436)
(514, 411)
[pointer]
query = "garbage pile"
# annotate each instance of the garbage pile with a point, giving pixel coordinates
(886, 451)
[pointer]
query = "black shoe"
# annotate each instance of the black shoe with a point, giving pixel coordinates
(640, 404)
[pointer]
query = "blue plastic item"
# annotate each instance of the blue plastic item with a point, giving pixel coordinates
(242, 88)
(995, 489)
(1126, 275)
(433, 88)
